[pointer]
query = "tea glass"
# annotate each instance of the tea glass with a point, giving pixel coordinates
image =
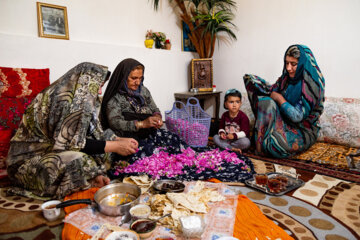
(274, 185)
(261, 179)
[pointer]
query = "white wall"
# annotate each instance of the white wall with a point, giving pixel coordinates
(103, 32)
(330, 28)
(108, 31)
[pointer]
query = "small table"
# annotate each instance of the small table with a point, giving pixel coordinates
(202, 96)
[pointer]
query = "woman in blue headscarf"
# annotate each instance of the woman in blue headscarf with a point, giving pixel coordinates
(287, 113)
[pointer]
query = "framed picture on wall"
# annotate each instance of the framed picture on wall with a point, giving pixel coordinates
(52, 21)
(202, 74)
(186, 44)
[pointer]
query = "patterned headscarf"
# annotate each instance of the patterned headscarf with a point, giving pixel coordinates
(118, 83)
(312, 90)
(59, 117)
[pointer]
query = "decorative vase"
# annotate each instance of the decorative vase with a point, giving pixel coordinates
(149, 43)
(167, 46)
(158, 43)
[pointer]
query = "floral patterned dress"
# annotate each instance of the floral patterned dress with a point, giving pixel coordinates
(44, 159)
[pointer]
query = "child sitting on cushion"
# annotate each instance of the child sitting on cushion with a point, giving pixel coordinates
(234, 126)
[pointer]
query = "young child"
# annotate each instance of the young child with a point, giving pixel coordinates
(234, 126)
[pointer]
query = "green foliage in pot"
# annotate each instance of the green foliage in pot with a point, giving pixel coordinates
(206, 19)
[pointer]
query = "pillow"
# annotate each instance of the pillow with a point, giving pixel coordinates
(340, 122)
(22, 82)
(18, 86)
(5, 136)
(11, 111)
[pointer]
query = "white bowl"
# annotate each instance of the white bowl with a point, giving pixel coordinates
(49, 210)
(140, 211)
(125, 234)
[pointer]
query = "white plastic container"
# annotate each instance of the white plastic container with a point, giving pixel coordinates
(192, 226)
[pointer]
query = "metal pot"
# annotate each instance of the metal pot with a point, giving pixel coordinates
(109, 198)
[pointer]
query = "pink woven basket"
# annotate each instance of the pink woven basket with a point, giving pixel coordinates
(191, 123)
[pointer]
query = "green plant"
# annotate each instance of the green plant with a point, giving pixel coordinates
(160, 36)
(206, 19)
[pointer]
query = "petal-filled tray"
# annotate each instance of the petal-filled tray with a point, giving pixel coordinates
(274, 183)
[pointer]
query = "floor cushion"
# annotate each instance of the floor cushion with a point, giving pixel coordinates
(18, 86)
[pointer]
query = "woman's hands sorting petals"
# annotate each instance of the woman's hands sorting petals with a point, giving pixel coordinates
(122, 146)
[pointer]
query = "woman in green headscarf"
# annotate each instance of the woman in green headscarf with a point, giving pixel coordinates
(287, 113)
(60, 147)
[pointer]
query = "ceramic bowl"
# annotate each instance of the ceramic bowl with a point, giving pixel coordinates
(140, 211)
(125, 234)
(143, 233)
(50, 211)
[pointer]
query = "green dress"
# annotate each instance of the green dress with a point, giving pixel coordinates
(45, 158)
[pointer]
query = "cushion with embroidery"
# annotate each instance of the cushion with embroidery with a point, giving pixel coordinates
(22, 82)
(5, 136)
(340, 121)
(18, 86)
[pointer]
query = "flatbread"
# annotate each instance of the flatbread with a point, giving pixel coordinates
(143, 182)
(188, 201)
(195, 201)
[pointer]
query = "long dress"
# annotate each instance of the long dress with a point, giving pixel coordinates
(44, 159)
(278, 131)
(122, 107)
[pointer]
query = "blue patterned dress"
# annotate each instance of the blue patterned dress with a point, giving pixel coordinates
(283, 131)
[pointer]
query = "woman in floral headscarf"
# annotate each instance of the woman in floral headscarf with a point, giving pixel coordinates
(60, 147)
(287, 113)
(130, 111)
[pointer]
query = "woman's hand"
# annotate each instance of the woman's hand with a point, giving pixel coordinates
(278, 98)
(223, 136)
(158, 121)
(122, 146)
(153, 121)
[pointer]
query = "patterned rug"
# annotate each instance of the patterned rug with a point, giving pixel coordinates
(323, 158)
(324, 208)
(21, 218)
(332, 155)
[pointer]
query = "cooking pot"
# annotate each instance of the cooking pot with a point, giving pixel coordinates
(114, 199)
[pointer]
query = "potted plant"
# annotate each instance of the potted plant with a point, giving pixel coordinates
(149, 41)
(159, 38)
(206, 19)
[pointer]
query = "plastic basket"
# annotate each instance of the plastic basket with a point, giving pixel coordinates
(177, 120)
(198, 131)
(191, 123)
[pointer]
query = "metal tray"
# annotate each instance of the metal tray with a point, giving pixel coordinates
(292, 184)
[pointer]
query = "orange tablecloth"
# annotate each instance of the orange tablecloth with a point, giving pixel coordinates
(250, 222)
